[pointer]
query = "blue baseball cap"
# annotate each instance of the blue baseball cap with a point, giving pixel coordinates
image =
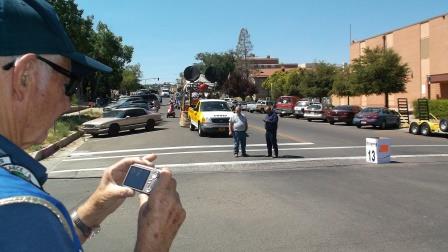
(32, 26)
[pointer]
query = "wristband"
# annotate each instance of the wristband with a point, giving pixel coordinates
(88, 232)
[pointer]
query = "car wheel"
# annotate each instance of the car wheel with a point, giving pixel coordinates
(297, 116)
(309, 120)
(383, 125)
(150, 125)
(201, 132)
(425, 129)
(251, 111)
(443, 125)
(414, 128)
(349, 123)
(95, 135)
(331, 122)
(114, 129)
(358, 126)
(262, 110)
(282, 115)
(191, 127)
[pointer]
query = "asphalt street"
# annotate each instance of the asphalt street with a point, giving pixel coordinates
(320, 195)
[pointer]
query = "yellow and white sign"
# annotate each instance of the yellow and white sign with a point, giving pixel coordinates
(378, 150)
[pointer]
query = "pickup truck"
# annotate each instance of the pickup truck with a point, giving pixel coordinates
(210, 116)
(262, 105)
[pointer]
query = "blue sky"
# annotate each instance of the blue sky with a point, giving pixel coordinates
(166, 35)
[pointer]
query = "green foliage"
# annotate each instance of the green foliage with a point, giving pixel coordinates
(379, 71)
(224, 63)
(438, 108)
(341, 85)
(101, 44)
(131, 78)
(317, 82)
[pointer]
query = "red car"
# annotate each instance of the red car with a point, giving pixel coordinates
(343, 113)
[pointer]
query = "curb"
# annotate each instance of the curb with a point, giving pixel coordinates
(53, 148)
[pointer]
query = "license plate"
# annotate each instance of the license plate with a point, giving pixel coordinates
(335, 118)
(363, 122)
(221, 129)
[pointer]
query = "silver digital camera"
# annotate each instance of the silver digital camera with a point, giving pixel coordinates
(141, 178)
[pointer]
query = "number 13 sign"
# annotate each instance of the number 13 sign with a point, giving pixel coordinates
(378, 150)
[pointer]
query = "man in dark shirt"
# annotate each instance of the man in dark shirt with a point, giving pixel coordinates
(271, 124)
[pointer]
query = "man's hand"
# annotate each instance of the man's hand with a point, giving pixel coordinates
(230, 133)
(109, 194)
(161, 215)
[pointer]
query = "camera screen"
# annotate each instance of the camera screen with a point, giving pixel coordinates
(136, 177)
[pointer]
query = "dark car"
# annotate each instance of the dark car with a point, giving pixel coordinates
(377, 117)
(123, 103)
(343, 113)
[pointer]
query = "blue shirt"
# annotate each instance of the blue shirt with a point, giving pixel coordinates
(31, 219)
(271, 122)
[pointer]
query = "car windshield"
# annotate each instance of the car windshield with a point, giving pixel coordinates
(315, 106)
(302, 103)
(284, 100)
(371, 110)
(114, 114)
(214, 106)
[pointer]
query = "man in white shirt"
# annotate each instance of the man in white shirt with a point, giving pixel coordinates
(238, 128)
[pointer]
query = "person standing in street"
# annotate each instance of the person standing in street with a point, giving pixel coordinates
(271, 124)
(237, 128)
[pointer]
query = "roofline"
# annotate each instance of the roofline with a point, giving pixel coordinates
(400, 28)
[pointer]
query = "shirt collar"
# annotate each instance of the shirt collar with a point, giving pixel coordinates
(21, 158)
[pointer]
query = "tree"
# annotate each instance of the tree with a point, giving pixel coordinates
(379, 71)
(224, 63)
(243, 50)
(101, 44)
(131, 78)
(238, 86)
(318, 82)
(341, 84)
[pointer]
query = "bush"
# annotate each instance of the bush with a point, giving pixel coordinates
(438, 108)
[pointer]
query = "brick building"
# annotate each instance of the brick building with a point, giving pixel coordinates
(424, 47)
(262, 68)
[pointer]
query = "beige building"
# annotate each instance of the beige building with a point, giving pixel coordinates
(424, 47)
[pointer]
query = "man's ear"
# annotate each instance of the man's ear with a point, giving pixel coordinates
(24, 76)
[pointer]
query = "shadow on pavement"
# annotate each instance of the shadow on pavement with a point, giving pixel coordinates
(289, 156)
(128, 133)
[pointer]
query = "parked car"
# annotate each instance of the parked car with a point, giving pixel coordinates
(343, 113)
(262, 105)
(377, 117)
(317, 111)
(243, 105)
(118, 120)
(210, 116)
(150, 98)
(251, 107)
(165, 92)
(123, 103)
(285, 105)
(300, 107)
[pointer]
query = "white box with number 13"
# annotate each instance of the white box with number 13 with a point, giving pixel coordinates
(378, 150)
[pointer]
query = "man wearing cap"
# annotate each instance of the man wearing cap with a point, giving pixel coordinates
(39, 71)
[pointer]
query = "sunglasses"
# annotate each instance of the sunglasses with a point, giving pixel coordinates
(70, 88)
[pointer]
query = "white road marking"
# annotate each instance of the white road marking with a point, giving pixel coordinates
(75, 154)
(232, 163)
(249, 150)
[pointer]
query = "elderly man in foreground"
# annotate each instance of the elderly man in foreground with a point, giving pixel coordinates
(39, 71)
